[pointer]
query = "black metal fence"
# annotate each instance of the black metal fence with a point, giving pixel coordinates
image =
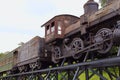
(106, 69)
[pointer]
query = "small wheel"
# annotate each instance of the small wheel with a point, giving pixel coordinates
(39, 65)
(55, 60)
(76, 45)
(56, 54)
(104, 36)
(77, 56)
(57, 51)
(26, 68)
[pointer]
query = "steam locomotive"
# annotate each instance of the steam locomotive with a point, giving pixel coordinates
(95, 30)
(71, 37)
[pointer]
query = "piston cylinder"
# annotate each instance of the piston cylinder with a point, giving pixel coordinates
(116, 36)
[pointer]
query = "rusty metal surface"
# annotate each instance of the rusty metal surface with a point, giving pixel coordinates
(99, 16)
(116, 35)
(87, 31)
(72, 27)
(64, 20)
(30, 50)
(85, 19)
(105, 11)
(60, 17)
(32, 60)
(50, 37)
(109, 2)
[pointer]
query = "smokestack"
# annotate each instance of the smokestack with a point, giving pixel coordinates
(90, 7)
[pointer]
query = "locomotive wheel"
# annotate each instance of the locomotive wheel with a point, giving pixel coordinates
(34, 65)
(55, 60)
(39, 65)
(57, 52)
(102, 35)
(76, 45)
(26, 68)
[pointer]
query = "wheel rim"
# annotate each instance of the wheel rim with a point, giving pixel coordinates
(55, 60)
(57, 52)
(76, 45)
(39, 65)
(104, 34)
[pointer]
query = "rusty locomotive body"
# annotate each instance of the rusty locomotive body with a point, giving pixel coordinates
(95, 30)
(71, 37)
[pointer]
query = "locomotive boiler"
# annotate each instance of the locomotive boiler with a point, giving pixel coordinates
(95, 31)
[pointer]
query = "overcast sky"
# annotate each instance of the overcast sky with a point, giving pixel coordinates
(20, 20)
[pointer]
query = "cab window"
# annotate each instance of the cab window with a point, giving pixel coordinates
(53, 27)
(59, 28)
(48, 29)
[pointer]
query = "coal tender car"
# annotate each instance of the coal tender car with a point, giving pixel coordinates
(31, 55)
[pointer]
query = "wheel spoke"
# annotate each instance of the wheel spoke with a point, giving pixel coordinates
(107, 44)
(76, 45)
(105, 34)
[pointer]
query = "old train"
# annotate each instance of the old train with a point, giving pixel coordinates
(71, 37)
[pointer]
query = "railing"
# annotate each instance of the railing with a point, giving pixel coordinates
(85, 70)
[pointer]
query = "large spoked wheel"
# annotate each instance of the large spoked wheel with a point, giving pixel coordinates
(77, 45)
(56, 54)
(104, 36)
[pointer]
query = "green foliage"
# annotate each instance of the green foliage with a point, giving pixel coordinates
(114, 50)
(103, 2)
(6, 62)
(2, 54)
(96, 77)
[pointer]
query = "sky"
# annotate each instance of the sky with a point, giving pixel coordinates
(21, 20)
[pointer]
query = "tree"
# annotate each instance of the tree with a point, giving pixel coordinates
(2, 54)
(103, 2)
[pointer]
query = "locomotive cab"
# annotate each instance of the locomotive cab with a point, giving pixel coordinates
(55, 27)
(53, 31)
